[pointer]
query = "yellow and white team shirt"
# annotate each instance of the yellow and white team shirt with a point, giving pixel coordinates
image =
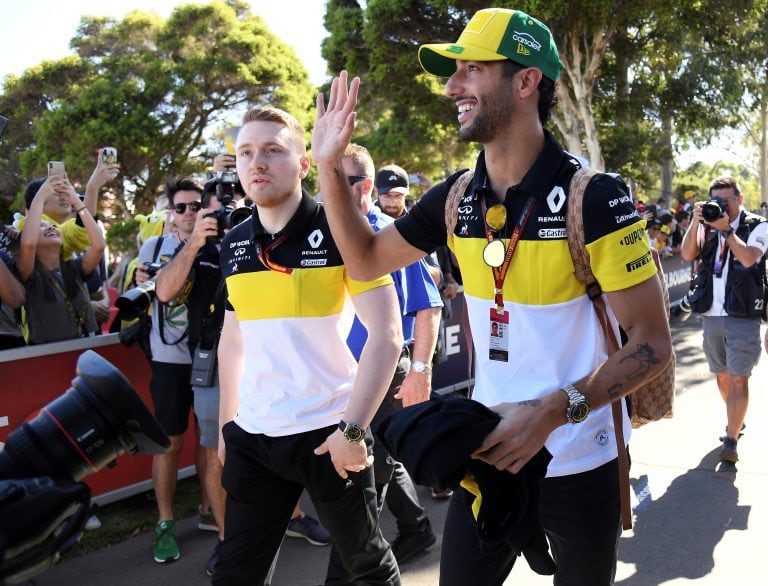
(294, 319)
(555, 337)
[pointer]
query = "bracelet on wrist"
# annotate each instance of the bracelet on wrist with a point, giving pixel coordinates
(81, 209)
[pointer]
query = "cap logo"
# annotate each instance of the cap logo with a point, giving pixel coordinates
(392, 177)
(455, 49)
(521, 50)
(526, 39)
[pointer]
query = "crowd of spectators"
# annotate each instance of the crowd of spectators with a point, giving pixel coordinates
(665, 226)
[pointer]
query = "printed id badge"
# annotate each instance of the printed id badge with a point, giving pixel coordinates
(498, 348)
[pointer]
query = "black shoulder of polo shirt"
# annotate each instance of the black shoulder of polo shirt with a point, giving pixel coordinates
(424, 226)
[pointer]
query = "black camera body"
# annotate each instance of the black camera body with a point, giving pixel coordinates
(43, 504)
(153, 267)
(713, 209)
(225, 185)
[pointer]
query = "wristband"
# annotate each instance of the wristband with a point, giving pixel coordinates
(728, 233)
(81, 209)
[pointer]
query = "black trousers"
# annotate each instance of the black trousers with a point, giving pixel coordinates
(264, 477)
(580, 515)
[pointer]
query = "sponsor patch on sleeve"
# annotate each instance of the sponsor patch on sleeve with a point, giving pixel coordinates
(622, 258)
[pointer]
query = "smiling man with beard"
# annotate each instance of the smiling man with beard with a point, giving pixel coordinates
(295, 405)
(548, 372)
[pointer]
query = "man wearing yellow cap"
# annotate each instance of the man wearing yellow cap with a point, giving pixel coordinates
(547, 372)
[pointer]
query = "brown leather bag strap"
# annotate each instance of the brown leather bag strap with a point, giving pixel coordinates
(583, 270)
(455, 193)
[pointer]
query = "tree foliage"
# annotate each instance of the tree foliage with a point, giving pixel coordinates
(641, 77)
(156, 89)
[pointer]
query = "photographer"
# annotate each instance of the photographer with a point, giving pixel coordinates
(171, 363)
(729, 243)
(198, 260)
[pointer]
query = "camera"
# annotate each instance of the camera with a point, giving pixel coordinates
(134, 302)
(225, 185)
(713, 209)
(43, 505)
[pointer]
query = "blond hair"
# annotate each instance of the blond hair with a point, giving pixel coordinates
(272, 114)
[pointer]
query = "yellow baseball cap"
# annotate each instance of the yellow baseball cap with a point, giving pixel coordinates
(496, 34)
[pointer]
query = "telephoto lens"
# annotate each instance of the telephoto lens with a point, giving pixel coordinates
(99, 418)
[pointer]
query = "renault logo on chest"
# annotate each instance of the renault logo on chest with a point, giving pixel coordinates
(316, 238)
(556, 199)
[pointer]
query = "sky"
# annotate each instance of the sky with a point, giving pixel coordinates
(38, 30)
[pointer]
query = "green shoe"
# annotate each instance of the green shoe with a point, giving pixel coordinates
(166, 549)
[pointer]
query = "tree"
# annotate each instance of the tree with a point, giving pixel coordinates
(157, 90)
(401, 119)
(638, 76)
(753, 115)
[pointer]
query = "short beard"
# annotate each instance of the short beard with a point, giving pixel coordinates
(497, 112)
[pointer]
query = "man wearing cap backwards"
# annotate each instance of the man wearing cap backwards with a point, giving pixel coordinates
(548, 373)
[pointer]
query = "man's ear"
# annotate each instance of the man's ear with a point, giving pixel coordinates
(304, 165)
(529, 81)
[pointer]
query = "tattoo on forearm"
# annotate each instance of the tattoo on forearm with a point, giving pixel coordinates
(642, 360)
(530, 403)
(614, 392)
(336, 171)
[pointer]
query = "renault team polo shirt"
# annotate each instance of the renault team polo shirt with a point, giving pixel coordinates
(298, 371)
(555, 337)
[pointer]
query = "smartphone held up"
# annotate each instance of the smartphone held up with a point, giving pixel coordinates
(109, 155)
(56, 168)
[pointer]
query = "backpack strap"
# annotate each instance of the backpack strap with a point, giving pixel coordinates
(455, 193)
(574, 229)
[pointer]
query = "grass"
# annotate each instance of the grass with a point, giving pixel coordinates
(129, 517)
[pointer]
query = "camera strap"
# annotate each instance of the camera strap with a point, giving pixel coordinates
(78, 320)
(160, 304)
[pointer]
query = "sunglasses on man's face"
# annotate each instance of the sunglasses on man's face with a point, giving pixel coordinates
(356, 178)
(181, 208)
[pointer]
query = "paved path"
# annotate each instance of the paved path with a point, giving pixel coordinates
(694, 521)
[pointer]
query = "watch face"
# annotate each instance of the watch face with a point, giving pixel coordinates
(418, 366)
(354, 433)
(579, 411)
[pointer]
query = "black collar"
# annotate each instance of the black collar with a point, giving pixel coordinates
(540, 178)
(296, 226)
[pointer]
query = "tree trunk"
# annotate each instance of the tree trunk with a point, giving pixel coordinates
(763, 172)
(666, 160)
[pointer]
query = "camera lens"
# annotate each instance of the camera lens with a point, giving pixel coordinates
(712, 210)
(96, 420)
(238, 216)
(136, 301)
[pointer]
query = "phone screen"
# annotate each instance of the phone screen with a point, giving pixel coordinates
(3, 124)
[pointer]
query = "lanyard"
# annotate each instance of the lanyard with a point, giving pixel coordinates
(263, 252)
(500, 273)
(720, 259)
